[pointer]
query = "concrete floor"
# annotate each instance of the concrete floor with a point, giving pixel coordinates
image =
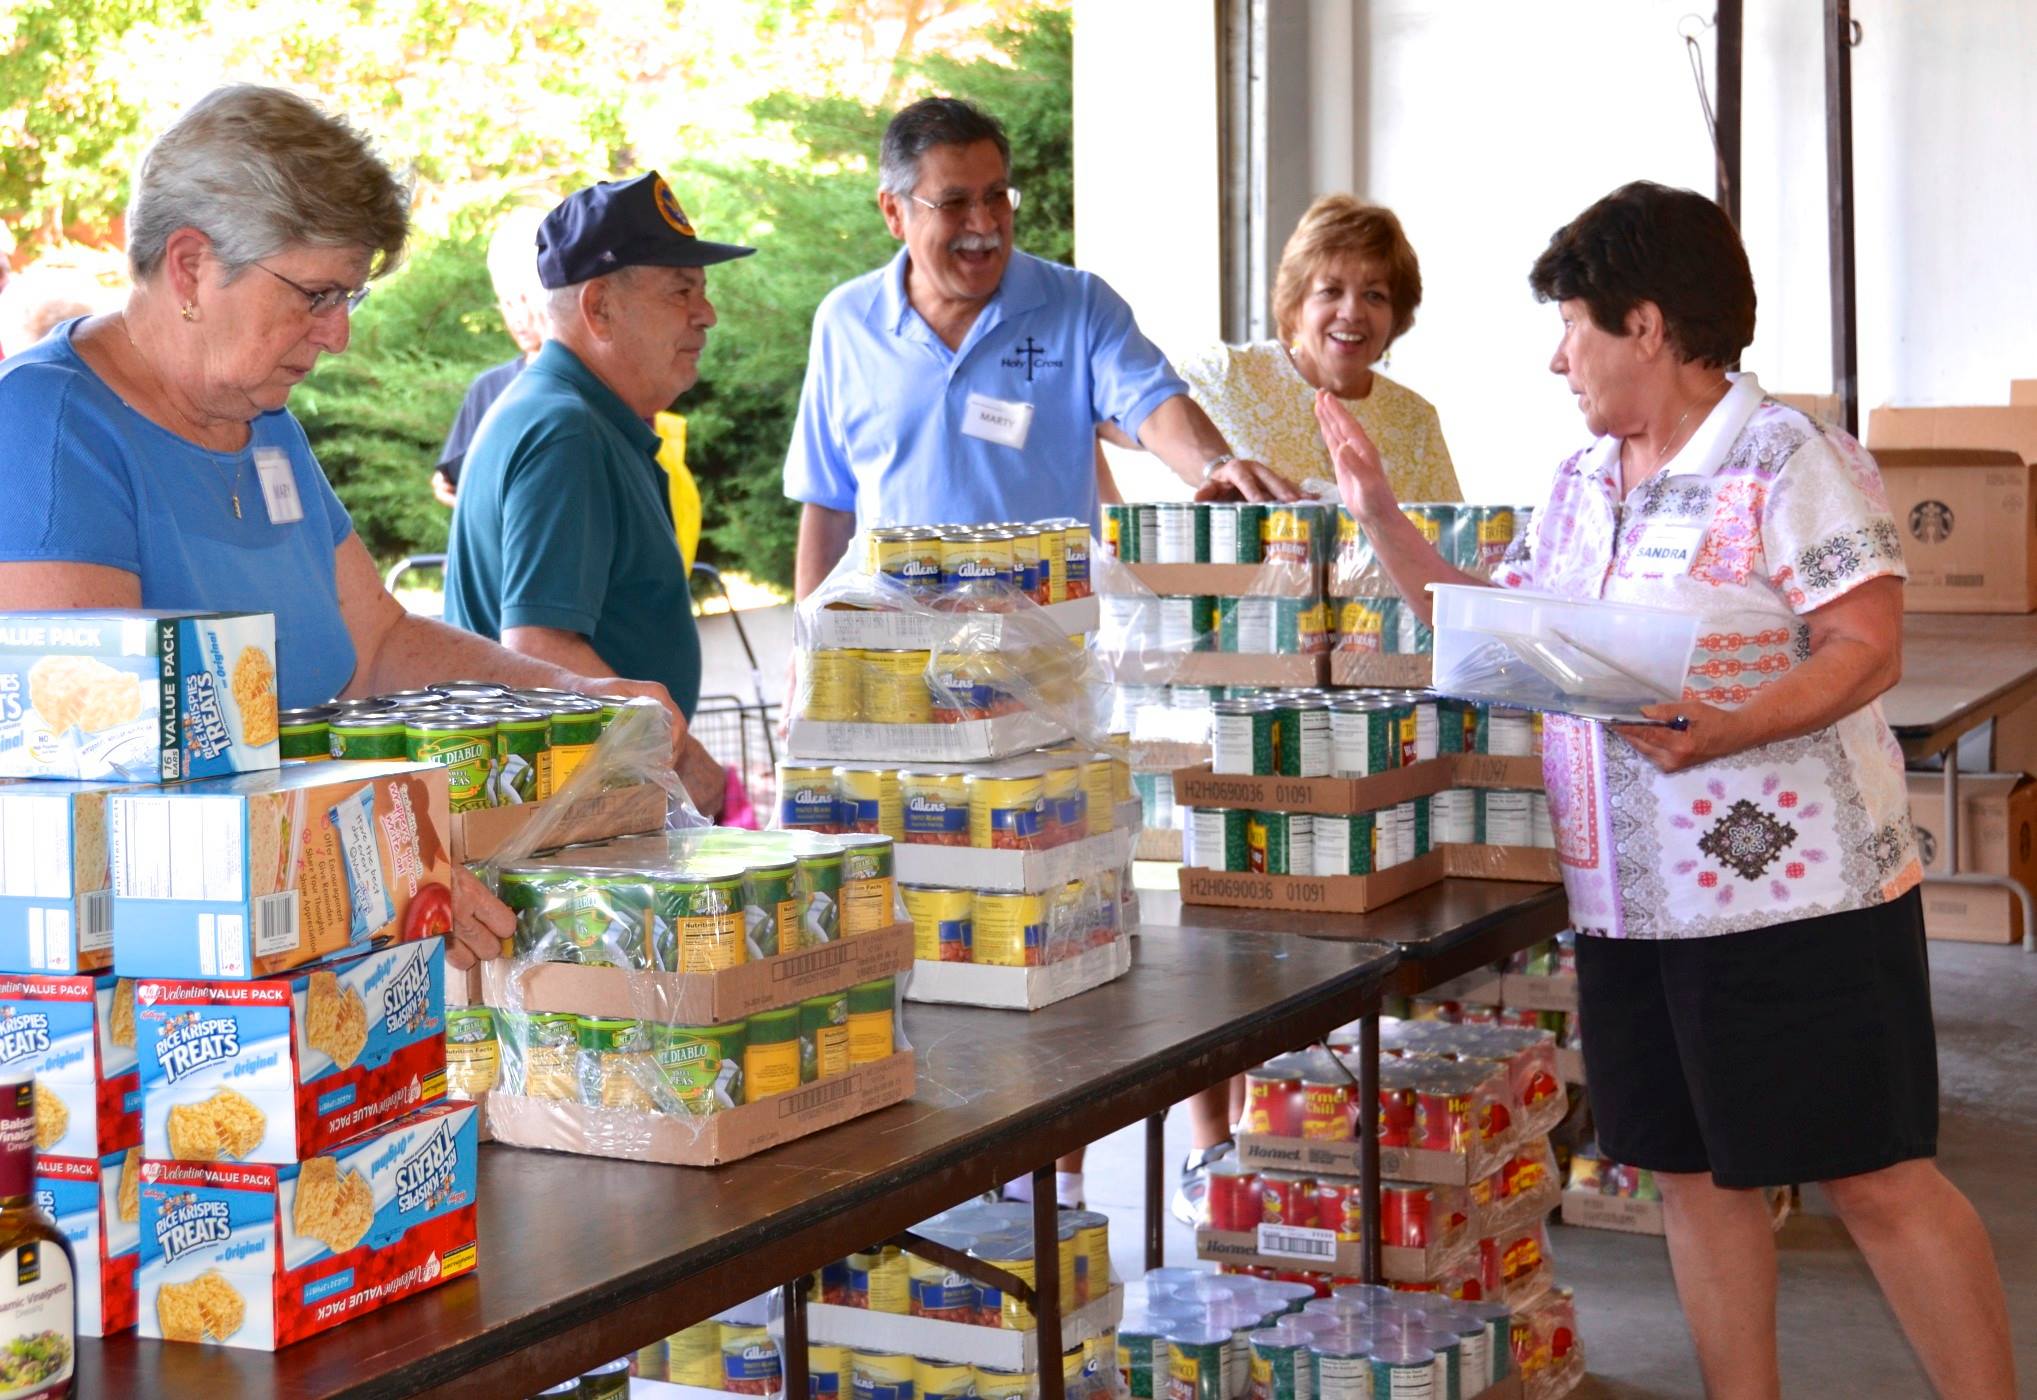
(1838, 1339)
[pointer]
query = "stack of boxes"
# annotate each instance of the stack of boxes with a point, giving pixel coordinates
(228, 983)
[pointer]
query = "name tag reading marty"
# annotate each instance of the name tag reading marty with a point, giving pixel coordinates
(279, 486)
(997, 420)
(1667, 549)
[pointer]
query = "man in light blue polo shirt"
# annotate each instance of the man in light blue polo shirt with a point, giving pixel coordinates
(964, 381)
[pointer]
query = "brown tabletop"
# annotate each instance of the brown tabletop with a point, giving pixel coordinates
(583, 1259)
(1442, 932)
(1958, 673)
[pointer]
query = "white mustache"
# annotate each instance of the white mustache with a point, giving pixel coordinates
(975, 243)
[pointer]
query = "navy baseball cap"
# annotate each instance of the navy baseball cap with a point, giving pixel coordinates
(622, 223)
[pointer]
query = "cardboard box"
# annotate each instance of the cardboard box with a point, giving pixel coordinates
(98, 1207)
(1538, 993)
(1031, 872)
(726, 1136)
(321, 1056)
(1595, 1212)
(1360, 894)
(1480, 987)
(1997, 836)
(1199, 787)
(138, 695)
(927, 630)
(1372, 668)
(1269, 580)
(254, 875)
(77, 1036)
(1963, 491)
(1829, 409)
(1158, 844)
(1242, 668)
(2023, 393)
(1570, 1064)
(56, 895)
(628, 811)
(697, 998)
(1019, 988)
(970, 741)
(305, 1248)
(1000, 1348)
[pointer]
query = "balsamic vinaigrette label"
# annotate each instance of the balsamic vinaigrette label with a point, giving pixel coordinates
(38, 1299)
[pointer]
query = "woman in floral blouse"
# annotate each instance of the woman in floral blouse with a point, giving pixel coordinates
(1751, 957)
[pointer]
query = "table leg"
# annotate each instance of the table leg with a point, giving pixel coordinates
(1047, 1281)
(1368, 1143)
(1955, 876)
(1156, 1187)
(796, 1384)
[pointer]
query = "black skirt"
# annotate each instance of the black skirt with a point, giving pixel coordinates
(1800, 1052)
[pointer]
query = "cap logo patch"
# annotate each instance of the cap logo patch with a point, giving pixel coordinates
(668, 206)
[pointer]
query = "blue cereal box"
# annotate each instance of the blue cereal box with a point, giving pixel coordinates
(262, 1256)
(282, 1069)
(76, 1035)
(139, 696)
(56, 887)
(97, 1205)
(255, 875)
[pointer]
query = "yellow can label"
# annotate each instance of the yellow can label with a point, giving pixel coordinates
(870, 1036)
(867, 906)
(693, 1357)
(1054, 554)
(565, 761)
(472, 1067)
(712, 942)
(929, 908)
(1005, 812)
(884, 1368)
(1100, 786)
(1010, 930)
(868, 793)
(895, 687)
(771, 1068)
(552, 1071)
(834, 684)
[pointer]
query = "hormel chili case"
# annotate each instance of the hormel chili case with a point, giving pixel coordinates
(97, 1206)
(281, 1069)
(76, 1035)
(263, 1255)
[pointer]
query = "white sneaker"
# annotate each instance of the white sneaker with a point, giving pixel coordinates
(1189, 1196)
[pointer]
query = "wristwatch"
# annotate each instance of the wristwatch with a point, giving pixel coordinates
(1209, 468)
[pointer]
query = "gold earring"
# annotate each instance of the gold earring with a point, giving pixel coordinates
(190, 312)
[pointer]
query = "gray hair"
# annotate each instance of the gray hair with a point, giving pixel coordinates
(932, 121)
(258, 170)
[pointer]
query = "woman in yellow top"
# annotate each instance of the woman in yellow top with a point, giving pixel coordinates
(1347, 288)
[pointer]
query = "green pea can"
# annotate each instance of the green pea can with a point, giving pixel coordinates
(820, 884)
(472, 692)
(823, 1037)
(772, 908)
(572, 729)
(522, 738)
(615, 1063)
(1280, 843)
(302, 734)
(1245, 737)
(371, 735)
(868, 895)
(699, 924)
(462, 743)
(1217, 838)
(1237, 532)
(701, 1066)
(1344, 843)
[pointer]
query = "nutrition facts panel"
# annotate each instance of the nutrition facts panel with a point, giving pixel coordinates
(189, 848)
(35, 846)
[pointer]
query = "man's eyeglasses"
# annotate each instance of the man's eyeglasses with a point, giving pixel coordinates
(332, 299)
(958, 207)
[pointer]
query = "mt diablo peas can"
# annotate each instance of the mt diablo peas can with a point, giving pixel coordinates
(460, 742)
(302, 734)
(522, 739)
(370, 735)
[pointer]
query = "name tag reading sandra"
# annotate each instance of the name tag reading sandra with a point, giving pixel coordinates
(279, 486)
(997, 420)
(1667, 549)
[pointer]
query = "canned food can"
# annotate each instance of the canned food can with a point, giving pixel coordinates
(1009, 930)
(869, 889)
(1075, 551)
(1364, 738)
(302, 734)
(1287, 1198)
(1496, 729)
(1027, 575)
(701, 918)
(1147, 518)
(884, 552)
(1338, 1361)
(1011, 1251)
(701, 1067)
(879, 1281)
(1369, 625)
(1301, 626)
(1135, 1338)
(1293, 534)
(1195, 1363)
(1509, 817)
(1413, 815)
(895, 687)
(1006, 813)
(1219, 838)
(834, 684)
(967, 685)
(1273, 1100)
(942, 927)
(883, 1375)
(522, 739)
(1232, 1200)
(868, 799)
(1182, 529)
(993, 1383)
(1329, 1106)
(1237, 532)
(1304, 740)
(1397, 1105)
(1399, 1368)
(1280, 843)
(1444, 1117)
(1188, 622)
(1434, 520)
(772, 910)
(1246, 625)
(1054, 558)
(693, 1356)
(1065, 809)
(473, 1051)
(1415, 637)
(1099, 785)
(572, 728)
(1244, 738)
(934, 808)
(1495, 529)
(947, 1380)
(1453, 815)
(820, 885)
(1121, 532)
(1344, 844)
(975, 560)
(749, 1361)
(827, 1365)
(373, 735)
(1280, 1366)
(771, 1054)
(1092, 1252)
(615, 1063)
(1340, 1206)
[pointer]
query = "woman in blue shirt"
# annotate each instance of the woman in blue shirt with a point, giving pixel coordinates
(150, 459)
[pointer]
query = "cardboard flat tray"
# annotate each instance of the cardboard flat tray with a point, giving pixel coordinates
(1479, 988)
(1019, 988)
(1033, 872)
(921, 630)
(1158, 843)
(1270, 580)
(728, 1136)
(1373, 668)
(1595, 1212)
(1001, 1348)
(1538, 993)
(1323, 1251)
(1359, 894)
(700, 998)
(618, 812)
(970, 741)
(1200, 787)
(1340, 1158)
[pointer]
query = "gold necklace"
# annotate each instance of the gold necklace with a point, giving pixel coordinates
(240, 462)
(1663, 455)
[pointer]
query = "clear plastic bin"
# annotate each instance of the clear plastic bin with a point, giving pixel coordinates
(1540, 651)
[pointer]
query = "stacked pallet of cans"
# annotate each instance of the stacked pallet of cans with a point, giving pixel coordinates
(1464, 1119)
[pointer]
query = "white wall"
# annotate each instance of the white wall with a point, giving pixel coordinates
(1487, 124)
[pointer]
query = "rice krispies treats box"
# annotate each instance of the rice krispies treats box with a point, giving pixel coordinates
(254, 875)
(280, 1070)
(137, 695)
(76, 1035)
(98, 1207)
(56, 884)
(262, 1256)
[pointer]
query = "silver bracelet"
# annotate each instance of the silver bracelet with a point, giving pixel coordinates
(1209, 468)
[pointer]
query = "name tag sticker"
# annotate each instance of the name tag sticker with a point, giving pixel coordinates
(279, 486)
(1666, 549)
(997, 420)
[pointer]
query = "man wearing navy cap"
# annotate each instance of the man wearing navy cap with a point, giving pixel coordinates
(563, 545)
